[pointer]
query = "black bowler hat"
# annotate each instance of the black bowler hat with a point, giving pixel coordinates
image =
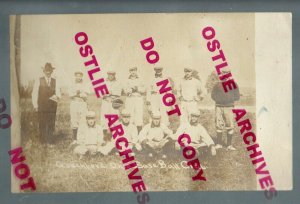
(158, 69)
(188, 70)
(48, 67)
(133, 68)
(78, 72)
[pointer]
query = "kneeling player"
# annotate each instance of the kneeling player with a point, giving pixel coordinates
(200, 138)
(89, 137)
(154, 136)
(130, 130)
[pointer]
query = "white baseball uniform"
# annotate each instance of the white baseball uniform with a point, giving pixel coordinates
(115, 90)
(156, 136)
(199, 135)
(131, 133)
(155, 99)
(188, 89)
(89, 139)
(134, 100)
(78, 106)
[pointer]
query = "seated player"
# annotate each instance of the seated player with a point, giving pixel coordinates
(130, 130)
(199, 136)
(154, 136)
(89, 137)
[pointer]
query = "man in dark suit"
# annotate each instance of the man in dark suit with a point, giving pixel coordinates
(45, 95)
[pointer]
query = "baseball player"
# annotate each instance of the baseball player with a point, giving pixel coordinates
(78, 105)
(154, 136)
(154, 99)
(130, 130)
(90, 137)
(211, 81)
(115, 91)
(199, 136)
(190, 92)
(134, 101)
(224, 117)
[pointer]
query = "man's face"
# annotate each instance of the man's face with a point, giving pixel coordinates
(126, 119)
(156, 121)
(133, 72)
(188, 74)
(78, 78)
(48, 73)
(194, 119)
(91, 121)
(111, 77)
(158, 72)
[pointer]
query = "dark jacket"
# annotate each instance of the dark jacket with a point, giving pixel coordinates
(45, 92)
(222, 98)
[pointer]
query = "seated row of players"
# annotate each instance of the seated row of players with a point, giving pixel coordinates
(154, 139)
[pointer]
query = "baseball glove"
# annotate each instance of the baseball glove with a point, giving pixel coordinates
(117, 103)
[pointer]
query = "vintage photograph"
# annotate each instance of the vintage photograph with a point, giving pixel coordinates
(62, 127)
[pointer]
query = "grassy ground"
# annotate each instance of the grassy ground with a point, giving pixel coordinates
(56, 169)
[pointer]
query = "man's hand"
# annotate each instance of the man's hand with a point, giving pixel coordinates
(213, 150)
(55, 97)
(198, 98)
(83, 95)
(35, 109)
(134, 89)
(145, 141)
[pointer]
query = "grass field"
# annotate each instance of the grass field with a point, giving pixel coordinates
(56, 169)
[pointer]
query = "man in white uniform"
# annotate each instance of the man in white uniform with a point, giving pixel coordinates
(78, 105)
(130, 130)
(154, 98)
(199, 136)
(115, 91)
(155, 135)
(134, 101)
(90, 137)
(190, 92)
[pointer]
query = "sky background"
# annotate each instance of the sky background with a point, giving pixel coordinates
(115, 39)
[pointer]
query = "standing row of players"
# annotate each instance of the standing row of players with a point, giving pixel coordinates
(156, 136)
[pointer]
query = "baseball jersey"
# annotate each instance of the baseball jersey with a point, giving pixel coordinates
(131, 133)
(132, 83)
(154, 133)
(189, 88)
(90, 135)
(114, 87)
(197, 133)
(78, 87)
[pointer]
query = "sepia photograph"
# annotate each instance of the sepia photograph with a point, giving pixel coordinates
(64, 129)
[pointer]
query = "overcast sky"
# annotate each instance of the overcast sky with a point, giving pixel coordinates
(115, 39)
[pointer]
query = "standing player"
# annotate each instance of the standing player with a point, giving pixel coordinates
(115, 91)
(190, 92)
(224, 116)
(78, 106)
(153, 97)
(134, 101)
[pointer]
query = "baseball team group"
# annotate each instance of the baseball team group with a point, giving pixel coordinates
(153, 138)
